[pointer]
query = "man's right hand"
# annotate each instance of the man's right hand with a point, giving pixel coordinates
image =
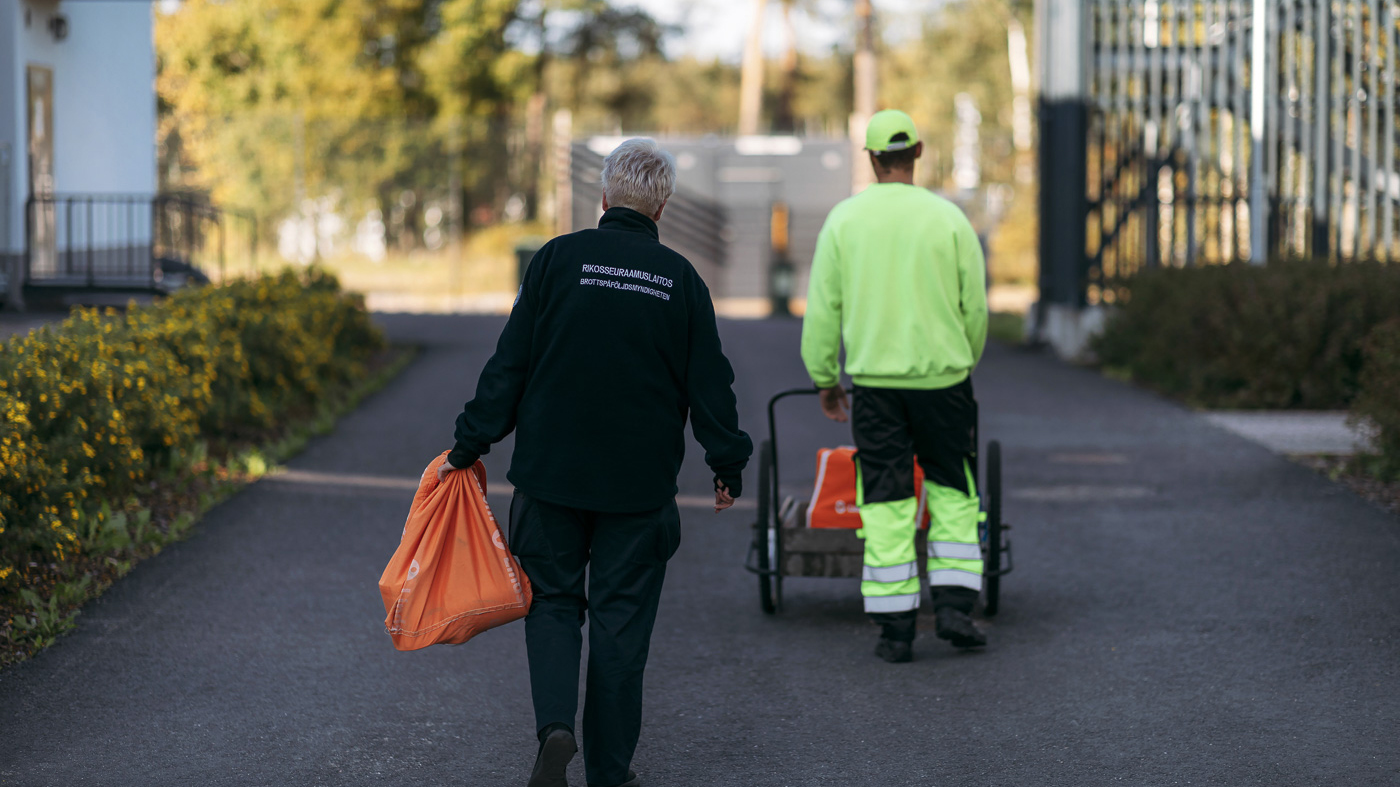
(723, 499)
(445, 468)
(834, 404)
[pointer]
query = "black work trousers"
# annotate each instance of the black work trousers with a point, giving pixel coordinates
(893, 428)
(624, 559)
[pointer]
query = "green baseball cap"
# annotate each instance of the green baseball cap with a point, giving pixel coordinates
(888, 123)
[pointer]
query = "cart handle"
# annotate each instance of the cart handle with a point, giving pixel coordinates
(773, 436)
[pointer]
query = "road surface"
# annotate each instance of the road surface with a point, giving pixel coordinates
(1187, 608)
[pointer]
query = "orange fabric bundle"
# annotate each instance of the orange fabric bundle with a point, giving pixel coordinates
(834, 497)
(452, 576)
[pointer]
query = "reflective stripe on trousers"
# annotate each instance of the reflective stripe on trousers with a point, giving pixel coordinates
(954, 550)
(901, 603)
(890, 579)
(954, 555)
(898, 573)
(944, 577)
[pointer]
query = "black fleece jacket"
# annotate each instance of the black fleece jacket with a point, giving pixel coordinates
(611, 343)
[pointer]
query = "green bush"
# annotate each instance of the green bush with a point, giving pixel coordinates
(101, 404)
(1379, 401)
(1291, 334)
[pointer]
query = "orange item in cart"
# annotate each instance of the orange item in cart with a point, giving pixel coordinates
(835, 498)
(452, 576)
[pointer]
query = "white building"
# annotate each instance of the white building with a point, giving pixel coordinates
(77, 140)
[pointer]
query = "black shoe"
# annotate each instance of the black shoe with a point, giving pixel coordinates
(552, 763)
(956, 626)
(895, 651)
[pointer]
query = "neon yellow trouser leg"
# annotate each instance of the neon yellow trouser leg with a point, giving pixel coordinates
(890, 580)
(954, 555)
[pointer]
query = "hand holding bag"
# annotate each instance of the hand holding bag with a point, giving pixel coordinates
(452, 576)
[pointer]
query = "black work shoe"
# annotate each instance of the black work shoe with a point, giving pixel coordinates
(551, 764)
(895, 651)
(956, 626)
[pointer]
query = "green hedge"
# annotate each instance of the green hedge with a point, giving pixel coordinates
(1285, 335)
(99, 406)
(1379, 401)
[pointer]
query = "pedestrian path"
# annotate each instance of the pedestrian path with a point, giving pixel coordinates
(1295, 432)
(1187, 608)
(405, 483)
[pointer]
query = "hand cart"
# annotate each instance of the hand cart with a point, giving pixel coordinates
(783, 547)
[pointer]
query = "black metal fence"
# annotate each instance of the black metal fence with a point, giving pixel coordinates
(131, 242)
(1224, 130)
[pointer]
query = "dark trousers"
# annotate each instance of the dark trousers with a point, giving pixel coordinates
(627, 552)
(891, 427)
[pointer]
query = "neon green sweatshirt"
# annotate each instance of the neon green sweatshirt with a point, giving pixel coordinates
(899, 276)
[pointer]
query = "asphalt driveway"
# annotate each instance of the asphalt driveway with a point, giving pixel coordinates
(1187, 608)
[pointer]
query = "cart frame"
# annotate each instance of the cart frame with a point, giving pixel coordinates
(766, 552)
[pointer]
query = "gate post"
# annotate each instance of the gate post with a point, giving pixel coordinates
(1062, 318)
(1322, 92)
(1259, 235)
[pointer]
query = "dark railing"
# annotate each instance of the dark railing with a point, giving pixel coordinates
(126, 241)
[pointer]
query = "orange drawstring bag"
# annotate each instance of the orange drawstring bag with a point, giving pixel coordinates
(452, 576)
(835, 496)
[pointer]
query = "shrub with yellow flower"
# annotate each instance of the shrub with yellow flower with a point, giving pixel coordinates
(99, 404)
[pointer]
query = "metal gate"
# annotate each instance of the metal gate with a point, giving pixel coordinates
(1224, 130)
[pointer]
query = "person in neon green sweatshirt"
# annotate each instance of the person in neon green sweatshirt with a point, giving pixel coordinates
(899, 277)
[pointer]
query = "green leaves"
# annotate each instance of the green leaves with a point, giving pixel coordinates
(103, 406)
(49, 618)
(1379, 401)
(108, 533)
(105, 443)
(274, 101)
(1287, 335)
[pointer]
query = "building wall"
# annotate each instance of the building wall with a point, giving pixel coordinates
(104, 93)
(11, 240)
(104, 105)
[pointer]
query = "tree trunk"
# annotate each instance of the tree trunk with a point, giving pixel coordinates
(751, 75)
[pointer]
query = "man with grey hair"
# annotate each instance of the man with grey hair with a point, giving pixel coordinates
(610, 347)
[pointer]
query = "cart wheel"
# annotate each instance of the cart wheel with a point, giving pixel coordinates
(992, 561)
(762, 533)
